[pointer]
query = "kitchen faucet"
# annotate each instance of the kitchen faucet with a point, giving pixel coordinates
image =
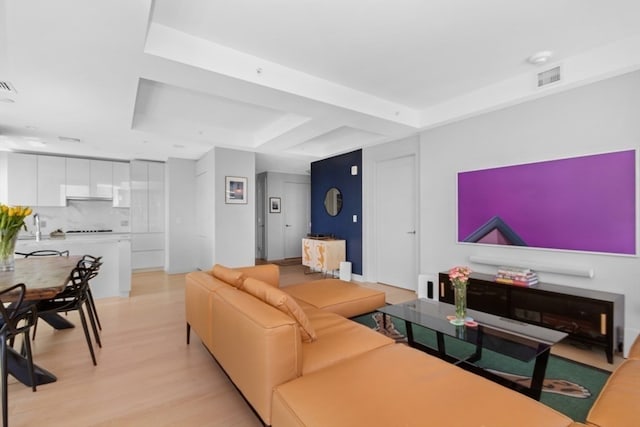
(36, 222)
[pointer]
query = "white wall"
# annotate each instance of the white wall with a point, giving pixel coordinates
(601, 117)
(235, 232)
(180, 191)
(205, 210)
(275, 221)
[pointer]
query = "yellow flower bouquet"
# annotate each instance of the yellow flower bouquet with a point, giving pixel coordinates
(11, 221)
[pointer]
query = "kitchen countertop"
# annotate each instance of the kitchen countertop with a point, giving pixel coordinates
(78, 237)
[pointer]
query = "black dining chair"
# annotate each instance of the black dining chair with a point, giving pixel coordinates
(16, 318)
(73, 298)
(43, 252)
(93, 264)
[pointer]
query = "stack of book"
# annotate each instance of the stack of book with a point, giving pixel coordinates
(516, 276)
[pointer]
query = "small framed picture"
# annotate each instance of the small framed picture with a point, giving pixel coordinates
(274, 205)
(235, 189)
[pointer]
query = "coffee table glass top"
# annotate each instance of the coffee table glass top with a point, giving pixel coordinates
(512, 338)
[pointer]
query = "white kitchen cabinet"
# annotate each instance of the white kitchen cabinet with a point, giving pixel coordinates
(78, 177)
(88, 178)
(20, 179)
(121, 185)
(147, 214)
(101, 179)
(51, 181)
(147, 197)
(147, 250)
(139, 196)
(33, 180)
(156, 197)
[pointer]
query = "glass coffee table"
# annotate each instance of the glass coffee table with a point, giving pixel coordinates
(511, 338)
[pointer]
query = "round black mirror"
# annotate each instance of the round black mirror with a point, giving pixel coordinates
(333, 201)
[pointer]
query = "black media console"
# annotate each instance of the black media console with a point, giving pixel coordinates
(591, 317)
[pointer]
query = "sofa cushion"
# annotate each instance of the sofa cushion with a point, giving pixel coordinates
(344, 298)
(283, 302)
(617, 404)
(228, 275)
(399, 386)
(338, 339)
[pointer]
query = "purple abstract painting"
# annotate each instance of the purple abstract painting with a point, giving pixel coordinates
(584, 203)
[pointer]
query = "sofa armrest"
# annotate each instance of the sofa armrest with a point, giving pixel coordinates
(634, 351)
(257, 345)
(268, 273)
(199, 286)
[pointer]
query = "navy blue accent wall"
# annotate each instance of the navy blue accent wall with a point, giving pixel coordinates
(336, 172)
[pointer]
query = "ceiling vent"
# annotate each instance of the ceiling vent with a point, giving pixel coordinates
(6, 87)
(548, 77)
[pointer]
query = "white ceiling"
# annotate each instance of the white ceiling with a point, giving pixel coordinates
(293, 80)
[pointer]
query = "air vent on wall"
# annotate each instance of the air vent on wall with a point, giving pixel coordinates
(548, 77)
(6, 87)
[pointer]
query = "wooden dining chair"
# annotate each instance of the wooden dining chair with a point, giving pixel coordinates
(16, 318)
(73, 298)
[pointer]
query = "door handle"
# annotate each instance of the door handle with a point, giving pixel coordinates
(287, 225)
(411, 232)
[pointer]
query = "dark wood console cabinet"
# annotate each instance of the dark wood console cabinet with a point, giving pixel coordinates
(591, 317)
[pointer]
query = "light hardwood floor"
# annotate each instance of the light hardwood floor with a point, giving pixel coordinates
(146, 374)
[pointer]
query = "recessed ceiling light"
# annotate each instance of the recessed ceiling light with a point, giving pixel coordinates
(37, 143)
(540, 57)
(178, 146)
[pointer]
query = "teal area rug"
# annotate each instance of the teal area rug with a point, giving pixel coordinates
(570, 387)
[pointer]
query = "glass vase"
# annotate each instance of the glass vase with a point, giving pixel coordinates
(7, 249)
(460, 299)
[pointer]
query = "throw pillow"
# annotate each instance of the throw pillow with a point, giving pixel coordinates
(283, 302)
(228, 275)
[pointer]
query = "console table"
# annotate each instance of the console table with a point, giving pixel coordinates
(323, 255)
(588, 316)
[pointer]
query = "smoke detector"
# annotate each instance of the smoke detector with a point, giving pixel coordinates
(540, 58)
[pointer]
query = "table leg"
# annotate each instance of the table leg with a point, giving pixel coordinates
(477, 355)
(18, 368)
(539, 369)
(440, 340)
(409, 328)
(55, 320)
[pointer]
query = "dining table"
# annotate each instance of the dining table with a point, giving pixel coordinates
(44, 278)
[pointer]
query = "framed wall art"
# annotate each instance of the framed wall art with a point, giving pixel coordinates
(585, 203)
(274, 205)
(235, 190)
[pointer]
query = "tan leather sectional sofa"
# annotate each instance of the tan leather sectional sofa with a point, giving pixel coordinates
(299, 361)
(618, 404)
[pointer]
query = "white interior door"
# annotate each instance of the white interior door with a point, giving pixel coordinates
(296, 208)
(396, 240)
